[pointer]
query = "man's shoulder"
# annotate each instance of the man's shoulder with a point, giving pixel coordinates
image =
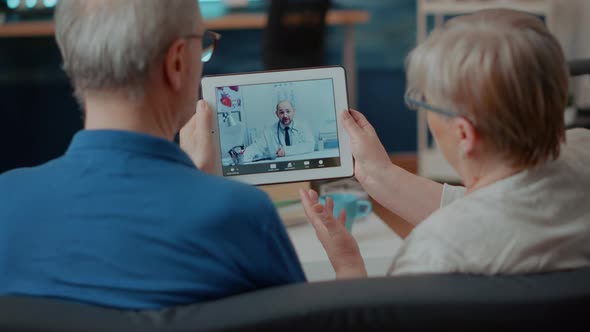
(13, 174)
(12, 180)
(25, 184)
(22, 175)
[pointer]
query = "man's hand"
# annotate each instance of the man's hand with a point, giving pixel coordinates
(369, 154)
(280, 152)
(196, 138)
(341, 247)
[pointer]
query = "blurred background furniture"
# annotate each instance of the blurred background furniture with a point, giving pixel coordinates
(39, 115)
(571, 25)
(301, 34)
(539, 302)
(295, 34)
(579, 68)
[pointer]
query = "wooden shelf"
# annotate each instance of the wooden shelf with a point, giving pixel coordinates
(27, 29)
(227, 22)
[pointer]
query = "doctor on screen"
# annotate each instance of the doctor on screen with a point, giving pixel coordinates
(286, 136)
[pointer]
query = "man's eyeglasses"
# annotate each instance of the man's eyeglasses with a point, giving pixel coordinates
(209, 40)
(416, 100)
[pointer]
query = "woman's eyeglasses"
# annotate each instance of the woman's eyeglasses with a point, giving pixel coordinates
(209, 41)
(416, 101)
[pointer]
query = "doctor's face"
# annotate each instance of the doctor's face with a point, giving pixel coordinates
(285, 112)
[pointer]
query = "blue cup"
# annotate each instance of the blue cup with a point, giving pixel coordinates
(354, 206)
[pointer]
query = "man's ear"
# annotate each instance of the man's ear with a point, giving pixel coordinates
(466, 135)
(175, 65)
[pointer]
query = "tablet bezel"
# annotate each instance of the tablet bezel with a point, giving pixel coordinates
(338, 76)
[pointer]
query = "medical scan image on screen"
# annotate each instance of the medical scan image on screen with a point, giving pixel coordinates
(275, 127)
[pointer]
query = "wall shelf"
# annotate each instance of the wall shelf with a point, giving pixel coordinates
(231, 21)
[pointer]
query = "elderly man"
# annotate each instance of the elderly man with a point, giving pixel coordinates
(124, 218)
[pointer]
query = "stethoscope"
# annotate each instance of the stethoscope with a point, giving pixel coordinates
(279, 132)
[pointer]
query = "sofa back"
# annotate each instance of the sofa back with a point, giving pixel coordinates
(551, 300)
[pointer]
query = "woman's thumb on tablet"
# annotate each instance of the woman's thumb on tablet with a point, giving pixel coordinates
(202, 106)
(350, 124)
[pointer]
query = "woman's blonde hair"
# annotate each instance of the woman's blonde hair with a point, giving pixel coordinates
(503, 70)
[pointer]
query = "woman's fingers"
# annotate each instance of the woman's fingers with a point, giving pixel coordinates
(362, 122)
(320, 216)
(313, 195)
(311, 208)
(327, 218)
(353, 129)
(340, 246)
(342, 217)
(307, 203)
(330, 205)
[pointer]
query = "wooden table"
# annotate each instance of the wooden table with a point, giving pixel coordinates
(235, 21)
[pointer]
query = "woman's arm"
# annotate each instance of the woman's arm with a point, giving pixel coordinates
(410, 196)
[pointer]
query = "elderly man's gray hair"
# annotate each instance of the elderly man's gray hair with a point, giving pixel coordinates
(112, 44)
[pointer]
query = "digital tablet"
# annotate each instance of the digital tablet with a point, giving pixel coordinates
(280, 126)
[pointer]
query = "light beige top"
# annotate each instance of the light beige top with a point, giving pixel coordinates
(537, 220)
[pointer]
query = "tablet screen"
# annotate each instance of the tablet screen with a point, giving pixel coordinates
(274, 127)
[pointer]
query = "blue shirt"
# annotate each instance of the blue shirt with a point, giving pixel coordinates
(126, 220)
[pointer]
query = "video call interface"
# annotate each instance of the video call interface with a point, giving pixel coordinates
(275, 127)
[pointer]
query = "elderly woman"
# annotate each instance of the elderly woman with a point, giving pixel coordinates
(495, 86)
